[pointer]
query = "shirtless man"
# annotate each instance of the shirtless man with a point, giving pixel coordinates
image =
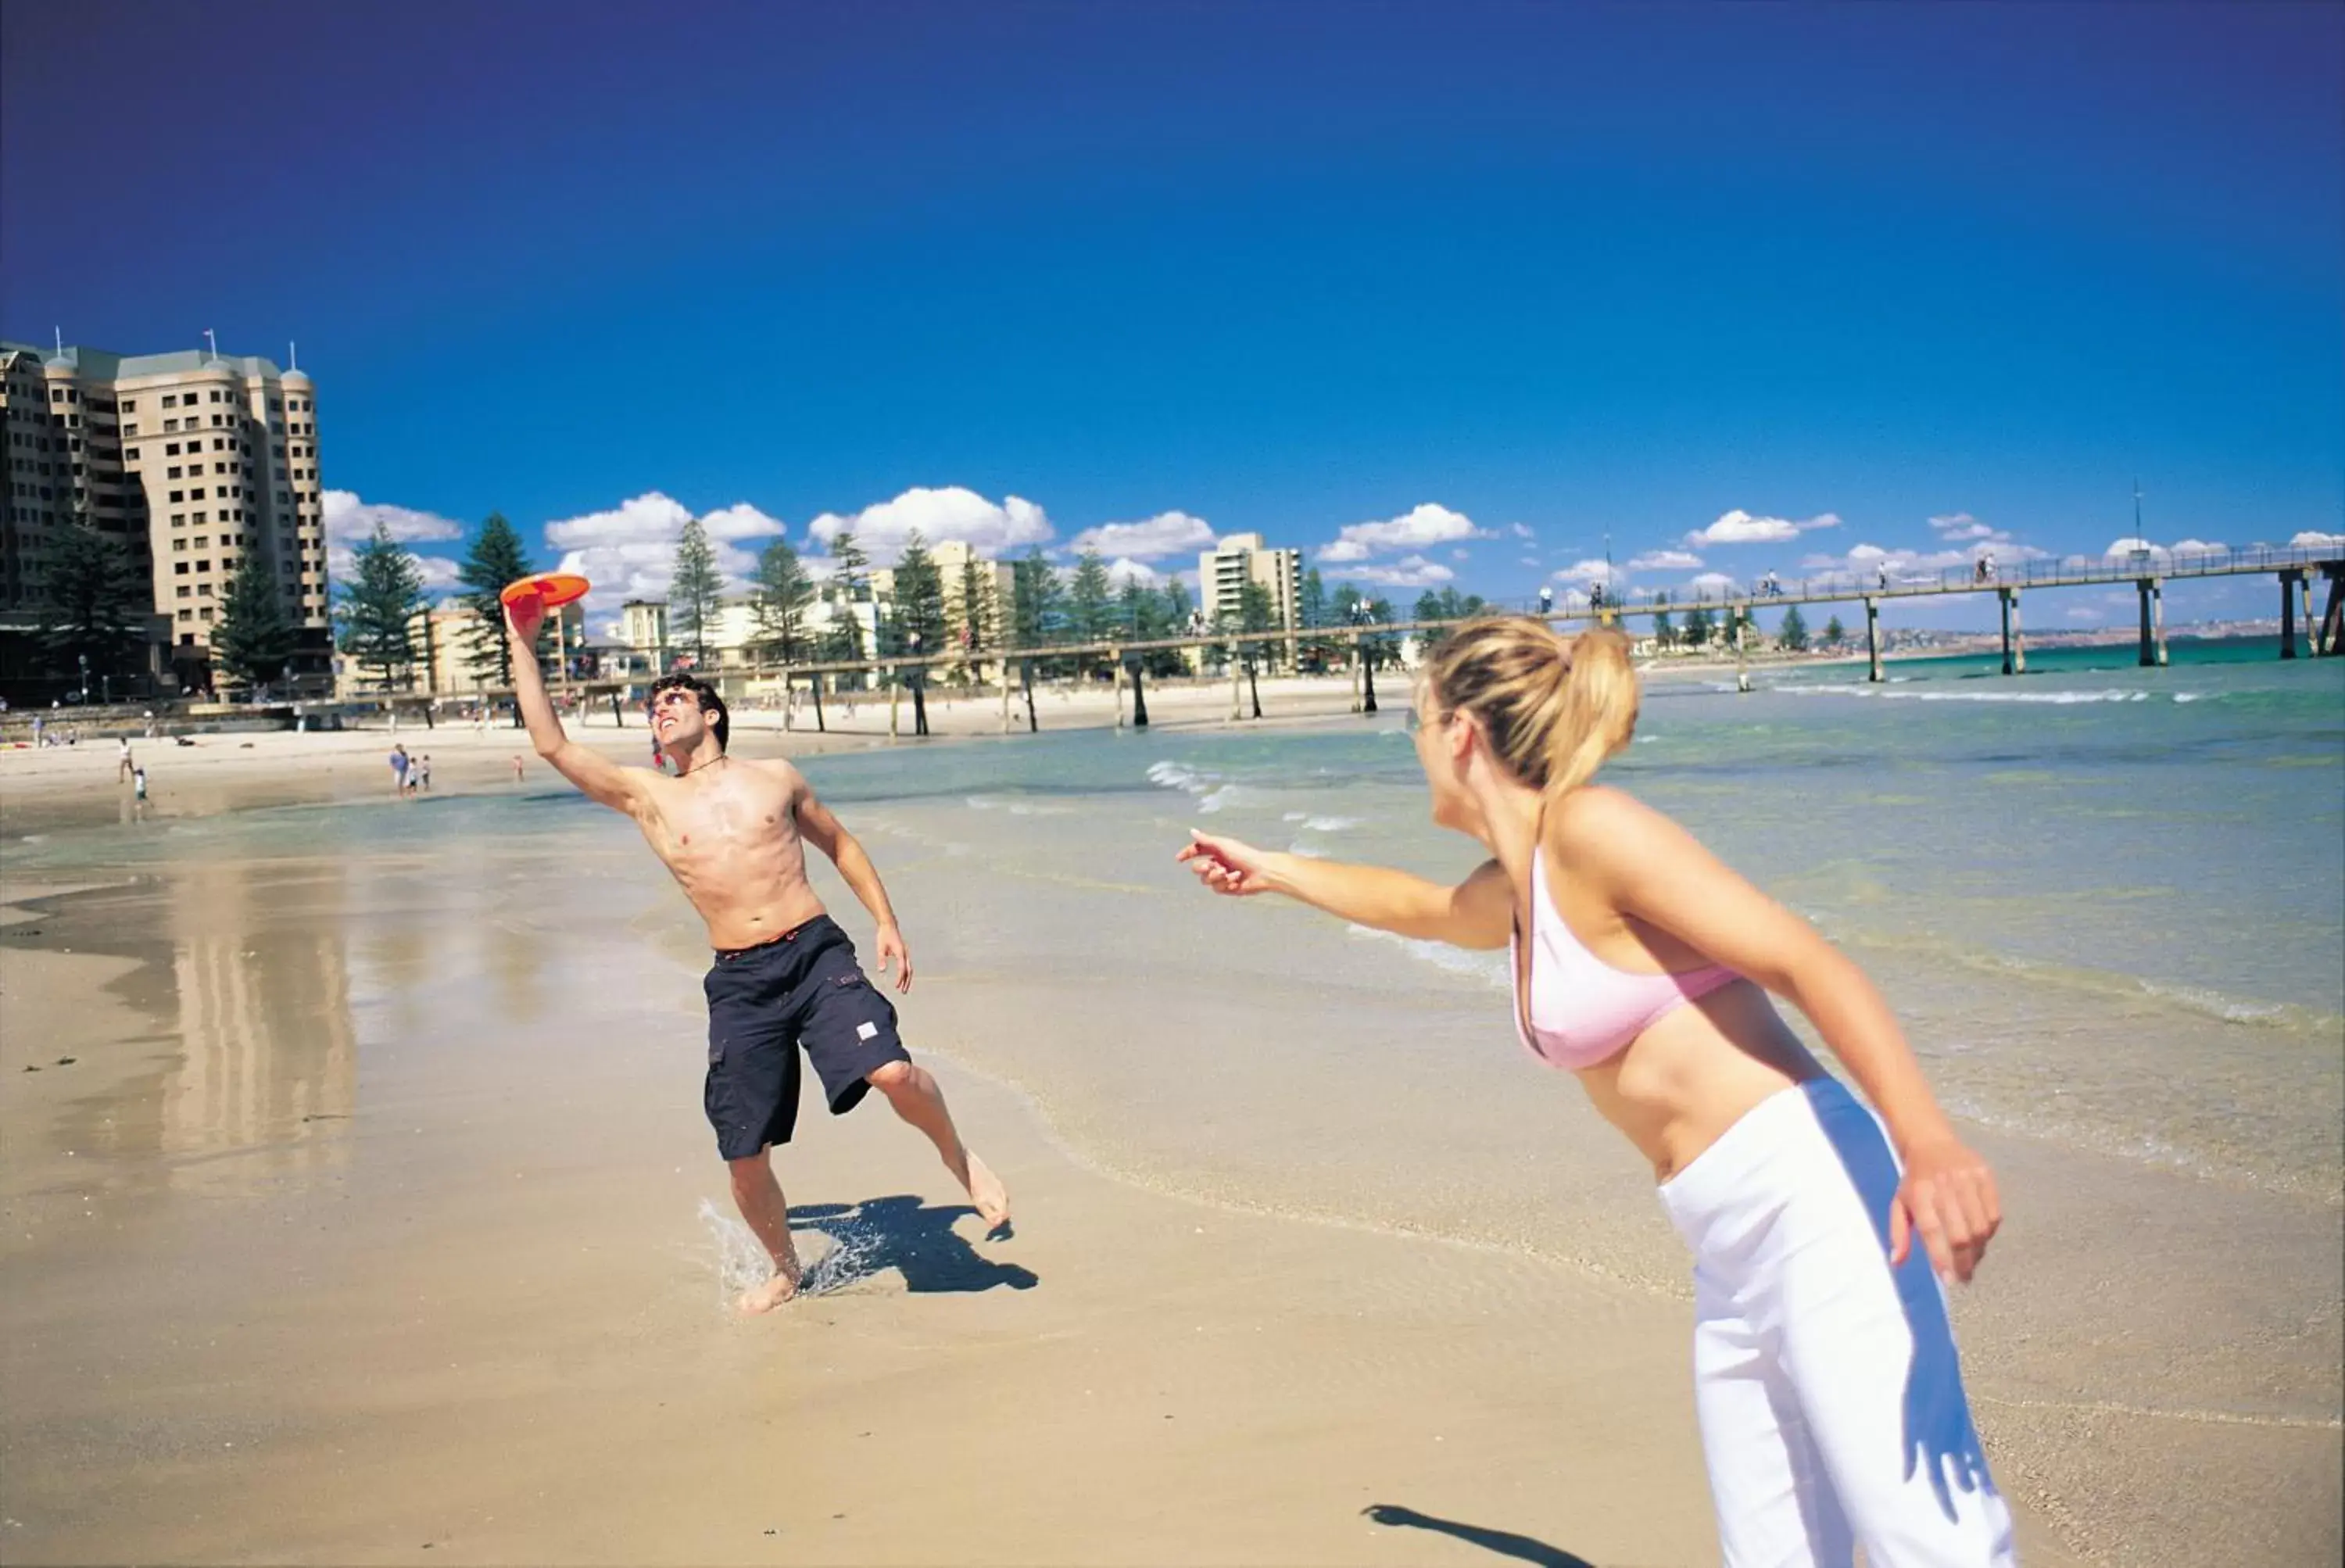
(733, 834)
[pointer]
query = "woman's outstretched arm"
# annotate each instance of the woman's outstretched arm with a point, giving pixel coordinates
(1477, 912)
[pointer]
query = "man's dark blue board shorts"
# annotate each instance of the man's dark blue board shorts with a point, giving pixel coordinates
(803, 988)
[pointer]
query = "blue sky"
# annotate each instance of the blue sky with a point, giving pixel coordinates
(1478, 284)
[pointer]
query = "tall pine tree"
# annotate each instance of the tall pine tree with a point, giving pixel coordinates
(497, 557)
(694, 591)
(96, 601)
(1792, 635)
(978, 613)
(255, 638)
(850, 585)
(920, 618)
(377, 603)
(778, 595)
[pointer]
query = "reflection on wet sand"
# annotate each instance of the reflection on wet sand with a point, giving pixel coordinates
(268, 1053)
(242, 970)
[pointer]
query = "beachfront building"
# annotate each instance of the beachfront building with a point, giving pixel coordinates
(191, 459)
(643, 631)
(1224, 572)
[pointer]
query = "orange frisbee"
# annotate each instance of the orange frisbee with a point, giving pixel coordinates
(552, 589)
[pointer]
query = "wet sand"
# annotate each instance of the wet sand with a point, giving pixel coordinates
(367, 1225)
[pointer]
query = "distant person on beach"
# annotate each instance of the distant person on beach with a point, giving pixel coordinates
(399, 769)
(123, 765)
(1831, 1401)
(423, 771)
(516, 767)
(138, 784)
(733, 834)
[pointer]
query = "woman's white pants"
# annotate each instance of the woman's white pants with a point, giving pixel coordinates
(1831, 1403)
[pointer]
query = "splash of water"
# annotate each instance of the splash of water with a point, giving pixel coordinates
(741, 1263)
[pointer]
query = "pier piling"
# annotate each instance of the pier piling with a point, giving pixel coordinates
(2153, 622)
(1873, 635)
(2015, 645)
(2331, 641)
(1138, 698)
(2289, 581)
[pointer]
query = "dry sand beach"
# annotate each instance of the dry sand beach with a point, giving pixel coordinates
(361, 1210)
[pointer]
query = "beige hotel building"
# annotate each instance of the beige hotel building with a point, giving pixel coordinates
(192, 458)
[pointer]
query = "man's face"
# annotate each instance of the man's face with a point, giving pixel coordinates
(676, 716)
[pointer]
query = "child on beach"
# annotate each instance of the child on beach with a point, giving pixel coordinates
(1825, 1378)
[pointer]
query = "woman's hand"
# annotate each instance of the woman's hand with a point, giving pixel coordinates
(1225, 865)
(1948, 1195)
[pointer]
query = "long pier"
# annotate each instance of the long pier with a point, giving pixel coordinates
(2294, 567)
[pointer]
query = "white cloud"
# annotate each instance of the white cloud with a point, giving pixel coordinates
(1123, 569)
(1408, 572)
(1531, 561)
(1412, 530)
(1461, 555)
(1521, 530)
(1960, 525)
(1710, 580)
(2127, 547)
(952, 513)
(629, 551)
(1740, 528)
(1663, 561)
(2313, 539)
(1865, 563)
(2199, 547)
(349, 520)
(2083, 613)
(1590, 571)
(1166, 533)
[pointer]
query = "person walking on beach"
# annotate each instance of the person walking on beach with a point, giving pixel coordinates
(123, 765)
(1825, 1378)
(734, 833)
(399, 769)
(423, 771)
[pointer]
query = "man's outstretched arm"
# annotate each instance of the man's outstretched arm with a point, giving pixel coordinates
(602, 779)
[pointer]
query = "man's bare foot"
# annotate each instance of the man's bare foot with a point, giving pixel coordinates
(986, 1191)
(773, 1292)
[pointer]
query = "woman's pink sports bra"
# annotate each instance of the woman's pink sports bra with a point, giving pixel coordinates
(1581, 1010)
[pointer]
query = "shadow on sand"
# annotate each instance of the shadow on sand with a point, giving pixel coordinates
(1505, 1543)
(912, 1238)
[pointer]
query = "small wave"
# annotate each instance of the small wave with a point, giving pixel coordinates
(1229, 795)
(980, 803)
(2049, 699)
(1325, 824)
(1179, 775)
(1487, 967)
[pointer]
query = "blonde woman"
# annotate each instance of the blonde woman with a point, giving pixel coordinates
(1830, 1397)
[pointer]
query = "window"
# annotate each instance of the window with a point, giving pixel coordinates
(203, 566)
(171, 424)
(198, 520)
(188, 639)
(175, 472)
(178, 497)
(207, 614)
(180, 545)
(202, 540)
(131, 428)
(130, 405)
(216, 396)
(178, 568)
(56, 394)
(172, 450)
(185, 591)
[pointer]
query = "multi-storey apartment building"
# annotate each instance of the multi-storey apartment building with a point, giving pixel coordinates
(1224, 571)
(192, 458)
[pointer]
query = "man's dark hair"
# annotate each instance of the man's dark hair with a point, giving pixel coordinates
(709, 702)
